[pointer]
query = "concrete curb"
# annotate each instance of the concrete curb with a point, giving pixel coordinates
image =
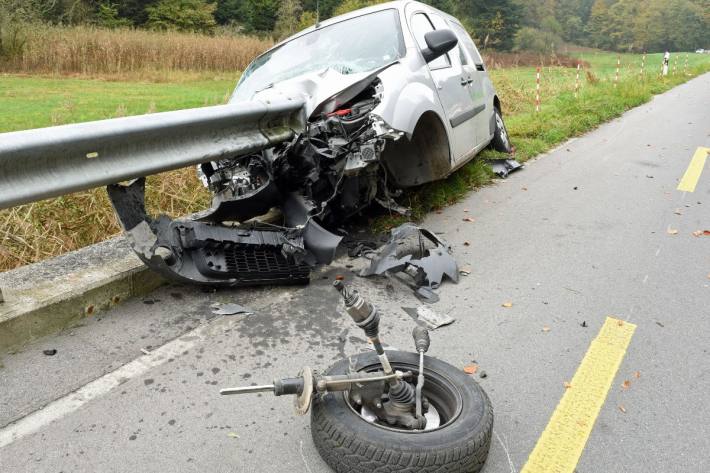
(46, 297)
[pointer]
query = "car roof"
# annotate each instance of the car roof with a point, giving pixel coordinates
(398, 5)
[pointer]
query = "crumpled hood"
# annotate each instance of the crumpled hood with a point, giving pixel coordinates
(318, 89)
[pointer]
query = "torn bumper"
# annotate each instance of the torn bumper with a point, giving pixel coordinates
(213, 254)
(427, 262)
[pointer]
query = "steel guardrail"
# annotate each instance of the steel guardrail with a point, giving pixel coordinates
(50, 162)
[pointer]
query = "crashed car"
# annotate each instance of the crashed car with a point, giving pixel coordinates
(395, 95)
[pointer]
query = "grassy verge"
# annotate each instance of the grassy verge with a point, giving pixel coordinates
(33, 232)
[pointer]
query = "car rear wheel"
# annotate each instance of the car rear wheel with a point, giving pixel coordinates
(501, 140)
(456, 440)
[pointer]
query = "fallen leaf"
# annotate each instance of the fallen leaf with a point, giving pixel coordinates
(507, 305)
(466, 243)
(524, 188)
(620, 323)
(545, 329)
(637, 374)
(465, 271)
(622, 408)
(470, 369)
(698, 233)
(672, 231)
(465, 210)
(626, 384)
(567, 385)
(233, 435)
(678, 212)
(469, 219)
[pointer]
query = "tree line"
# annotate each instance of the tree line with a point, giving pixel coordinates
(538, 25)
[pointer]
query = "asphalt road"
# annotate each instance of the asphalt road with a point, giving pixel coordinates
(582, 233)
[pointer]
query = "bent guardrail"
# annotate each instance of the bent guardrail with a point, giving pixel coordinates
(50, 162)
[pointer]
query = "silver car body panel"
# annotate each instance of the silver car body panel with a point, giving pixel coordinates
(411, 87)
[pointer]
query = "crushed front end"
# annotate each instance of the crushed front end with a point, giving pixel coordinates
(271, 210)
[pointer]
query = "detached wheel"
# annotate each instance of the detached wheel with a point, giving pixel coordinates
(456, 440)
(501, 140)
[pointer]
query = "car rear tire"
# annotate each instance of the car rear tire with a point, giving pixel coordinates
(350, 443)
(501, 139)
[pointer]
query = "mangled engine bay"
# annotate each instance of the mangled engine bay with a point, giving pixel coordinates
(319, 178)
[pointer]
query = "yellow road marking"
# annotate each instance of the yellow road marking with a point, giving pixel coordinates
(561, 444)
(695, 169)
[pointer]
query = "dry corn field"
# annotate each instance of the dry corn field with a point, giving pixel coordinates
(99, 52)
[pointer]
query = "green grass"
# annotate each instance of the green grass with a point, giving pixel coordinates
(35, 102)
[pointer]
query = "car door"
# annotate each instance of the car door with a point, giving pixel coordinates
(476, 71)
(451, 83)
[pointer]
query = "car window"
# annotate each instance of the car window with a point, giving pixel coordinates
(467, 42)
(421, 25)
(357, 45)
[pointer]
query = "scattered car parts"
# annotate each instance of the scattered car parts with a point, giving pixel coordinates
(503, 167)
(419, 254)
(428, 317)
(406, 403)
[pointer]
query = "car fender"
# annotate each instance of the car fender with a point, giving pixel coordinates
(407, 96)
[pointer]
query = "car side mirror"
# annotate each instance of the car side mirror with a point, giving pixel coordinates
(438, 43)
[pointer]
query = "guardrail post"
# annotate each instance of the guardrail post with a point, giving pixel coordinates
(675, 64)
(537, 90)
(643, 65)
(618, 65)
(576, 83)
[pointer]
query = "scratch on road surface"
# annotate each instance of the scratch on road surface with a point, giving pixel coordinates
(303, 457)
(507, 452)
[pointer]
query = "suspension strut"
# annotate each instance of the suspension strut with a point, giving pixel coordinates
(367, 317)
(405, 406)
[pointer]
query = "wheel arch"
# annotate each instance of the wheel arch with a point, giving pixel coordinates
(423, 157)
(496, 104)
